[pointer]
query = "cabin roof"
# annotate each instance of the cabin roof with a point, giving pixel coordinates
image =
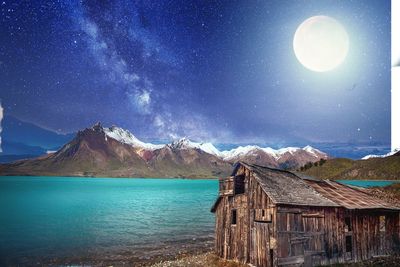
(284, 187)
(348, 196)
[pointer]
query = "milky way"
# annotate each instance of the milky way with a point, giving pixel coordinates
(221, 72)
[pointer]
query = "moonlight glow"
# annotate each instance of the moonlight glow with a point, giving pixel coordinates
(321, 43)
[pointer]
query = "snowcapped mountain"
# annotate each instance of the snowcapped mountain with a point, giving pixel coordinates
(284, 157)
(115, 152)
(185, 143)
(239, 151)
(126, 137)
(317, 153)
(243, 151)
(391, 153)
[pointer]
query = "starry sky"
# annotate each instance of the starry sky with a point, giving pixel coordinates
(219, 71)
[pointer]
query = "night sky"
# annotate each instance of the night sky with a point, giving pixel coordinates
(219, 71)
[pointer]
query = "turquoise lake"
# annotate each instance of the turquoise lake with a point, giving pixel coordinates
(367, 183)
(100, 220)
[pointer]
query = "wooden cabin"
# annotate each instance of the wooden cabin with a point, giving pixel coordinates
(269, 217)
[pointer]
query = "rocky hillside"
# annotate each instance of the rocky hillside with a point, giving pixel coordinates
(115, 152)
(99, 151)
(285, 158)
(373, 168)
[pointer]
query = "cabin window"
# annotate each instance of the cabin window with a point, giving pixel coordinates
(234, 217)
(382, 223)
(349, 245)
(347, 223)
(262, 215)
(239, 184)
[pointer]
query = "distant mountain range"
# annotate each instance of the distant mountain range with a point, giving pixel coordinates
(391, 153)
(23, 140)
(374, 167)
(115, 152)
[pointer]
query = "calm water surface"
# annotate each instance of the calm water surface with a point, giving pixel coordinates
(368, 183)
(77, 220)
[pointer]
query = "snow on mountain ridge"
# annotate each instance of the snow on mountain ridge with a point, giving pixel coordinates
(185, 143)
(127, 137)
(124, 136)
(391, 153)
(312, 150)
(290, 150)
(275, 153)
(239, 151)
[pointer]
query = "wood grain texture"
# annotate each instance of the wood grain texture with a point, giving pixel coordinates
(268, 233)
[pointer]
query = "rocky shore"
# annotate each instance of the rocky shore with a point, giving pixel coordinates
(211, 260)
(207, 259)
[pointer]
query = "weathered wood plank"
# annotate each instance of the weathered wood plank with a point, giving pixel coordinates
(268, 234)
(290, 260)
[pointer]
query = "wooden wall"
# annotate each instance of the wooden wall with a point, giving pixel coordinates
(317, 236)
(267, 235)
(263, 243)
(305, 234)
(374, 236)
(231, 240)
(252, 238)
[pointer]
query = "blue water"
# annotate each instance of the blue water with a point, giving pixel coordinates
(367, 183)
(84, 220)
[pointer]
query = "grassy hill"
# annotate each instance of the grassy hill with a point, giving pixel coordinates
(387, 168)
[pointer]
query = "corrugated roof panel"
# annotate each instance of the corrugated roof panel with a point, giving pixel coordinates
(349, 197)
(284, 187)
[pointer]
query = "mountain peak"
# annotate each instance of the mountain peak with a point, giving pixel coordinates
(97, 127)
(125, 136)
(182, 143)
(185, 143)
(313, 151)
(276, 154)
(391, 153)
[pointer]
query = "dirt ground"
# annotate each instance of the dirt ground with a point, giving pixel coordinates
(211, 260)
(201, 260)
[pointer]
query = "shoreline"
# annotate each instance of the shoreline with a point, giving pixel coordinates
(212, 260)
(107, 177)
(144, 257)
(171, 178)
(209, 259)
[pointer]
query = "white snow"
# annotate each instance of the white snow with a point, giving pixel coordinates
(275, 153)
(185, 143)
(313, 151)
(239, 152)
(290, 150)
(124, 136)
(381, 156)
(209, 148)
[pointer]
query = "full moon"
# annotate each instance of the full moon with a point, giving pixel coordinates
(321, 43)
